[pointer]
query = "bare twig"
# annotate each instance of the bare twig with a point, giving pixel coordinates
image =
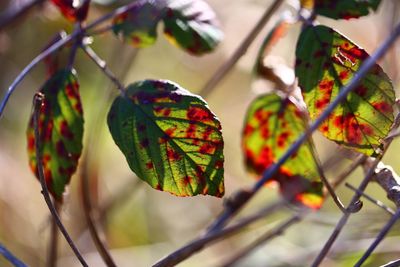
(240, 51)
(229, 212)
(10, 257)
(270, 234)
(57, 46)
(103, 66)
(198, 244)
(16, 10)
(38, 101)
(395, 263)
(389, 181)
(379, 238)
(97, 235)
(372, 200)
(349, 170)
(53, 244)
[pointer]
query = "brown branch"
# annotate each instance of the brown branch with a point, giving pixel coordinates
(270, 234)
(97, 235)
(389, 181)
(208, 238)
(37, 103)
(240, 51)
(53, 244)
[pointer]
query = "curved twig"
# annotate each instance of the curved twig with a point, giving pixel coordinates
(37, 103)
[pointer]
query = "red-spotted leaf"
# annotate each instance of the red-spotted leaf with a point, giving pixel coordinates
(73, 10)
(192, 25)
(139, 24)
(61, 131)
(325, 61)
(345, 9)
(271, 126)
(170, 138)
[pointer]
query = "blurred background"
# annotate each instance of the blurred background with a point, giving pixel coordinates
(141, 224)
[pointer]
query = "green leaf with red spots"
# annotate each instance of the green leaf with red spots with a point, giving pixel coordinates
(139, 24)
(73, 10)
(325, 61)
(61, 131)
(170, 138)
(345, 9)
(271, 126)
(192, 25)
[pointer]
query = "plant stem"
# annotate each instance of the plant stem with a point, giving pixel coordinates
(38, 101)
(371, 199)
(379, 238)
(57, 46)
(240, 51)
(229, 212)
(53, 244)
(10, 257)
(103, 66)
(270, 234)
(88, 211)
(208, 238)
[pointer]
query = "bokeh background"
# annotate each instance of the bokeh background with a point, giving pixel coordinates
(141, 224)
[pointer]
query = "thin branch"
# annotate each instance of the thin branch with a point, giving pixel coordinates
(208, 238)
(11, 258)
(352, 167)
(15, 10)
(57, 46)
(38, 101)
(379, 203)
(240, 51)
(103, 66)
(97, 235)
(229, 212)
(395, 263)
(389, 181)
(53, 244)
(270, 234)
(77, 42)
(379, 238)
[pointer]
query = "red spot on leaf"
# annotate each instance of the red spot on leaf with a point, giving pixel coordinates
(191, 131)
(282, 139)
(361, 90)
(172, 154)
(207, 148)
(198, 114)
(383, 107)
(344, 74)
(207, 133)
(219, 164)
(149, 165)
(65, 131)
(61, 150)
(144, 143)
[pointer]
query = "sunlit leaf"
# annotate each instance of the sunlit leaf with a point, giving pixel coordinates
(61, 131)
(192, 25)
(345, 9)
(170, 138)
(73, 10)
(271, 126)
(326, 60)
(139, 24)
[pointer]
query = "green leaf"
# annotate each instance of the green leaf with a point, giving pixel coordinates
(325, 61)
(271, 126)
(61, 131)
(345, 9)
(192, 25)
(139, 24)
(170, 138)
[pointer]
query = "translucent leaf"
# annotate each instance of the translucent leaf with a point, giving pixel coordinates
(271, 126)
(170, 138)
(192, 25)
(73, 10)
(139, 24)
(345, 9)
(325, 61)
(61, 131)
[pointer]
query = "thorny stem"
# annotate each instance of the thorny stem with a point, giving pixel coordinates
(379, 238)
(240, 51)
(10, 257)
(53, 244)
(270, 234)
(103, 66)
(229, 212)
(98, 240)
(38, 101)
(371, 199)
(57, 46)
(208, 238)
